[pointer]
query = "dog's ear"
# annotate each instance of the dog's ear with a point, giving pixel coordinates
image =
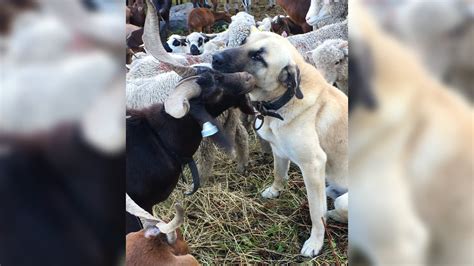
(245, 105)
(291, 78)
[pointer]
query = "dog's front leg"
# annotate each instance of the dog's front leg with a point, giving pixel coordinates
(314, 179)
(280, 172)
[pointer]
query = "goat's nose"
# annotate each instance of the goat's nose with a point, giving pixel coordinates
(218, 60)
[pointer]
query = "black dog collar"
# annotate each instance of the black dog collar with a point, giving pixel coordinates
(265, 108)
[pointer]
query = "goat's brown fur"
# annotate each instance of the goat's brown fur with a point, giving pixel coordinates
(203, 18)
(297, 11)
(155, 250)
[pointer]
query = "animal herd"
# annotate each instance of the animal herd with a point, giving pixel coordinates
(187, 82)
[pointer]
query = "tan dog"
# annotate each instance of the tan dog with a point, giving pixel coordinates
(411, 154)
(313, 133)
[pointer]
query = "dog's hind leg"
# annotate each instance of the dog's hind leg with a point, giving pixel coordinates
(281, 167)
(341, 206)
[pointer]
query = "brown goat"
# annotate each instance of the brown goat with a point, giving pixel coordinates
(297, 11)
(200, 18)
(285, 24)
(149, 247)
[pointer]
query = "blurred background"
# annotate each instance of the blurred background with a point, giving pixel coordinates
(411, 126)
(62, 135)
(62, 139)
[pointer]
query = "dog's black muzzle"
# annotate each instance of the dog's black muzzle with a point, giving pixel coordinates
(227, 61)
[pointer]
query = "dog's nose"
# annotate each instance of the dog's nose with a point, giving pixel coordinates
(195, 50)
(218, 60)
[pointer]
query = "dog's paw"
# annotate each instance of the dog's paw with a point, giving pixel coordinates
(311, 247)
(270, 193)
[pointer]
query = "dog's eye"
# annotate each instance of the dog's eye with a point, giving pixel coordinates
(243, 41)
(176, 43)
(338, 62)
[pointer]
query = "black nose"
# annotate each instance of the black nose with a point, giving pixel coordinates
(218, 60)
(195, 50)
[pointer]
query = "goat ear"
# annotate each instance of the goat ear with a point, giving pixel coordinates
(291, 78)
(245, 105)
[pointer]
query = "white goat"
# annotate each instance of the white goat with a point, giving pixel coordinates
(309, 41)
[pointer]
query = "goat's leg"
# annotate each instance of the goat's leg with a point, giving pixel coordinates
(206, 159)
(241, 148)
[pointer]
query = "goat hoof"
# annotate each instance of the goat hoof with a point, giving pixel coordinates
(241, 169)
(270, 193)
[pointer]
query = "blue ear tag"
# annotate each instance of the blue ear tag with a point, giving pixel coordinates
(208, 129)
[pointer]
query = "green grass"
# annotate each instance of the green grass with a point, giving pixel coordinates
(228, 222)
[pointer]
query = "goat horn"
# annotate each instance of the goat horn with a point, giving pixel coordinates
(133, 208)
(170, 228)
(177, 104)
(152, 41)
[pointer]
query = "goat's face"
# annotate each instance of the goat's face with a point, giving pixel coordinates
(225, 90)
(175, 44)
(195, 42)
(216, 85)
(151, 248)
(280, 25)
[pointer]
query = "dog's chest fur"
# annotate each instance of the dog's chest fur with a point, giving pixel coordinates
(270, 131)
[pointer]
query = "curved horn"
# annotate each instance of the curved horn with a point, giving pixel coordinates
(133, 208)
(170, 228)
(177, 104)
(152, 40)
(166, 228)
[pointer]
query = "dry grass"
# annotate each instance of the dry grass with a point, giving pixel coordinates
(228, 222)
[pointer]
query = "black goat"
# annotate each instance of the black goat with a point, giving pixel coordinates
(61, 200)
(158, 144)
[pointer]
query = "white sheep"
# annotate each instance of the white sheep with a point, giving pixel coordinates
(265, 24)
(309, 41)
(240, 28)
(200, 43)
(331, 59)
(326, 12)
(176, 44)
